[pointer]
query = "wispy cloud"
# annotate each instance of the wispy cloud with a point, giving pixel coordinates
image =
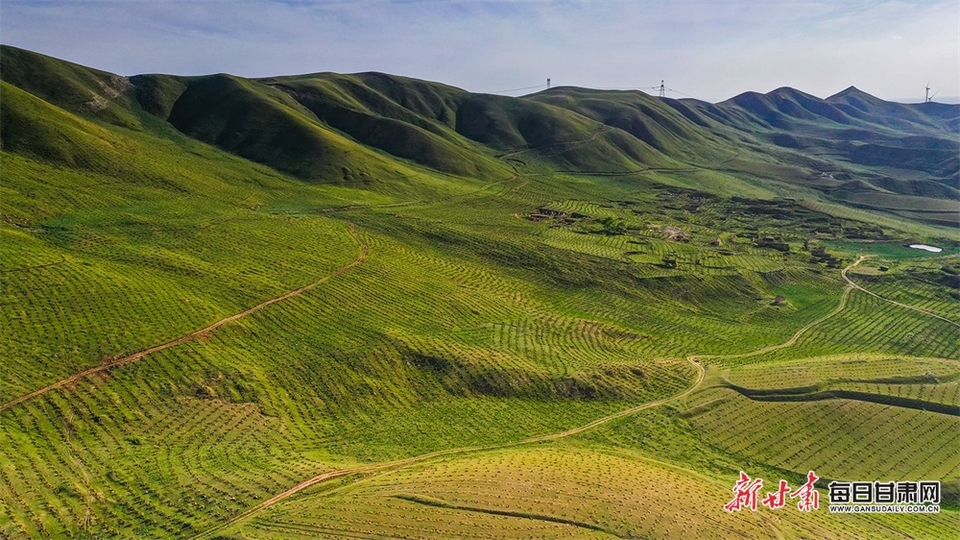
(709, 49)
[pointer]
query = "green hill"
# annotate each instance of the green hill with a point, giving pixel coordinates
(851, 148)
(369, 305)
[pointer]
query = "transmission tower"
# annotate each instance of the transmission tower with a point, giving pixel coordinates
(663, 89)
(548, 83)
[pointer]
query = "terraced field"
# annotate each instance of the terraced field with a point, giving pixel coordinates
(873, 441)
(927, 379)
(892, 417)
(476, 355)
(556, 491)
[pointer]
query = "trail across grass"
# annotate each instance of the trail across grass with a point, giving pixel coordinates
(320, 478)
(790, 342)
(130, 358)
(695, 360)
(854, 285)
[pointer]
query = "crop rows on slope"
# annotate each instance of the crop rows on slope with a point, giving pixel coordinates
(654, 308)
(207, 428)
(24, 253)
(90, 309)
(946, 393)
(837, 438)
(341, 379)
(651, 254)
(565, 342)
(846, 368)
(720, 307)
(146, 463)
(870, 325)
(608, 247)
(914, 292)
(551, 492)
(685, 315)
(66, 321)
(551, 341)
(921, 379)
(117, 411)
(586, 208)
(477, 419)
(485, 292)
(516, 322)
(614, 375)
(666, 435)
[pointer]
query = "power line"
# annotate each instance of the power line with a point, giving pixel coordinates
(678, 92)
(518, 89)
(658, 89)
(662, 89)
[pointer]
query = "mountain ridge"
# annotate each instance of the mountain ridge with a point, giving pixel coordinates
(351, 128)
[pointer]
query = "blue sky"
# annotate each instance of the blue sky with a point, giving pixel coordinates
(708, 49)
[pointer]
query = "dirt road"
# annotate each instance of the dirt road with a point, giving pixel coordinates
(693, 359)
(130, 358)
(894, 302)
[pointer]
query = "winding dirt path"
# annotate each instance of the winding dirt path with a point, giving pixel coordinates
(701, 373)
(329, 475)
(854, 285)
(693, 359)
(793, 340)
(131, 358)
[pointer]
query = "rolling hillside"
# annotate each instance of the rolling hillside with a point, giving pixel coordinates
(362, 305)
(851, 148)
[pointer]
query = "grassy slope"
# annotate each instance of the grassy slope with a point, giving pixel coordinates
(75, 88)
(882, 154)
(573, 490)
(465, 325)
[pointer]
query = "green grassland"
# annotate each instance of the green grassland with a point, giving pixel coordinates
(364, 305)
(557, 491)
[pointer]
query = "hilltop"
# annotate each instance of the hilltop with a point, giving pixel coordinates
(850, 148)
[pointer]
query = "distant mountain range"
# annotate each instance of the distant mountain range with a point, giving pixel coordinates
(851, 147)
